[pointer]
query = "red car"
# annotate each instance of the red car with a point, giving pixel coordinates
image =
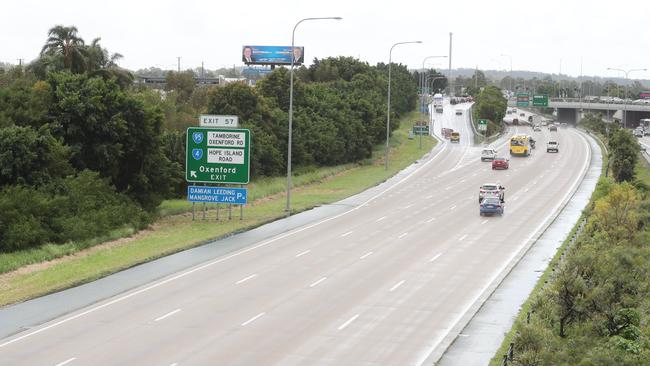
(500, 163)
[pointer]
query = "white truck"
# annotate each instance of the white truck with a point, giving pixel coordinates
(437, 103)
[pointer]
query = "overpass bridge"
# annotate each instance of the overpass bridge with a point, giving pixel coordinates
(569, 109)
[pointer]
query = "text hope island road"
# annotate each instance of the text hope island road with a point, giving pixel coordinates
(217, 155)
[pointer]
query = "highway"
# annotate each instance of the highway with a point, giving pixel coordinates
(381, 284)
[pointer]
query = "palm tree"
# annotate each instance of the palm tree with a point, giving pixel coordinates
(64, 41)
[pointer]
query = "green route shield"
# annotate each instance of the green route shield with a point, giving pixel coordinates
(217, 155)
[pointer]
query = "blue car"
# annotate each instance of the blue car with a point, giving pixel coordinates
(491, 206)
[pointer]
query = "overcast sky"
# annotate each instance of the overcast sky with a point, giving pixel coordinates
(539, 35)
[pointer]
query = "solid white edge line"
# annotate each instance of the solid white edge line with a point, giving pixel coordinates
(452, 207)
(246, 279)
(318, 282)
(400, 283)
(252, 319)
(484, 222)
(303, 253)
(346, 234)
(167, 315)
(381, 218)
(562, 202)
(366, 255)
(462, 237)
(435, 257)
(344, 325)
(223, 259)
(431, 219)
(403, 235)
(174, 364)
(66, 361)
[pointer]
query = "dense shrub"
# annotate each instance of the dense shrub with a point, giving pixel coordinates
(71, 209)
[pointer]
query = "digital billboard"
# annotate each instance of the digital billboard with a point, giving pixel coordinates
(272, 55)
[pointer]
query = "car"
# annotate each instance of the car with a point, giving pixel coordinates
(638, 133)
(646, 132)
(544, 123)
(508, 112)
(491, 206)
(552, 128)
(530, 119)
(459, 112)
(515, 121)
(488, 154)
(537, 128)
(553, 146)
(491, 190)
(522, 114)
(500, 163)
(514, 110)
(455, 137)
(564, 125)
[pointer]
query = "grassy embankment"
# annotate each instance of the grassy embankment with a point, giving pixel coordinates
(175, 231)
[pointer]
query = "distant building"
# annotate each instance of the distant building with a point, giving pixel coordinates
(158, 82)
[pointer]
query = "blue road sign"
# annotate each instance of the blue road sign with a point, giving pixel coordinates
(236, 196)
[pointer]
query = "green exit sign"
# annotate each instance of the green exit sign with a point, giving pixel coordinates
(540, 100)
(217, 155)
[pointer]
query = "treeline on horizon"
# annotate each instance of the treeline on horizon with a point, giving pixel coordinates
(84, 151)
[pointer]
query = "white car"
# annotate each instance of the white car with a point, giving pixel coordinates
(638, 133)
(553, 146)
(488, 154)
(459, 112)
(491, 190)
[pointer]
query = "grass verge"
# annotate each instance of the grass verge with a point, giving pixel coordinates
(175, 231)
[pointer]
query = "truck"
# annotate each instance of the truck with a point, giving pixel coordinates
(437, 103)
(553, 146)
(455, 137)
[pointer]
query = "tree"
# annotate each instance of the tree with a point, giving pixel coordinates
(624, 150)
(31, 157)
(65, 42)
(183, 83)
(111, 132)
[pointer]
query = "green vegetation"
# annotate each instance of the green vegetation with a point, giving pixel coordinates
(592, 307)
(177, 232)
(491, 105)
(86, 154)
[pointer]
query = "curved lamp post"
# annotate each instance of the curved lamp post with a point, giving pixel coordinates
(293, 34)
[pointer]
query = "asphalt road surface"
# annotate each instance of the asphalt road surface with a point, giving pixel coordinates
(381, 284)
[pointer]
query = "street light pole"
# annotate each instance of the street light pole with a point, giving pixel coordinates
(511, 78)
(293, 36)
(626, 83)
(422, 87)
(390, 61)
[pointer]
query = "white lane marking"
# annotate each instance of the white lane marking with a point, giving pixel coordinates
(452, 207)
(403, 235)
(381, 218)
(435, 257)
(462, 237)
(400, 283)
(407, 206)
(246, 279)
(303, 253)
(167, 315)
(318, 282)
(366, 255)
(474, 175)
(431, 219)
(462, 181)
(448, 188)
(174, 364)
(252, 319)
(429, 196)
(484, 222)
(526, 190)
(228, 257)
(515, 198)
(346, 234)
(344, 325)
(571, 191)
(66, 361)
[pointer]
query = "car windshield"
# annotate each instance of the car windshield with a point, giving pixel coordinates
(489, 187)
(488, 152)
